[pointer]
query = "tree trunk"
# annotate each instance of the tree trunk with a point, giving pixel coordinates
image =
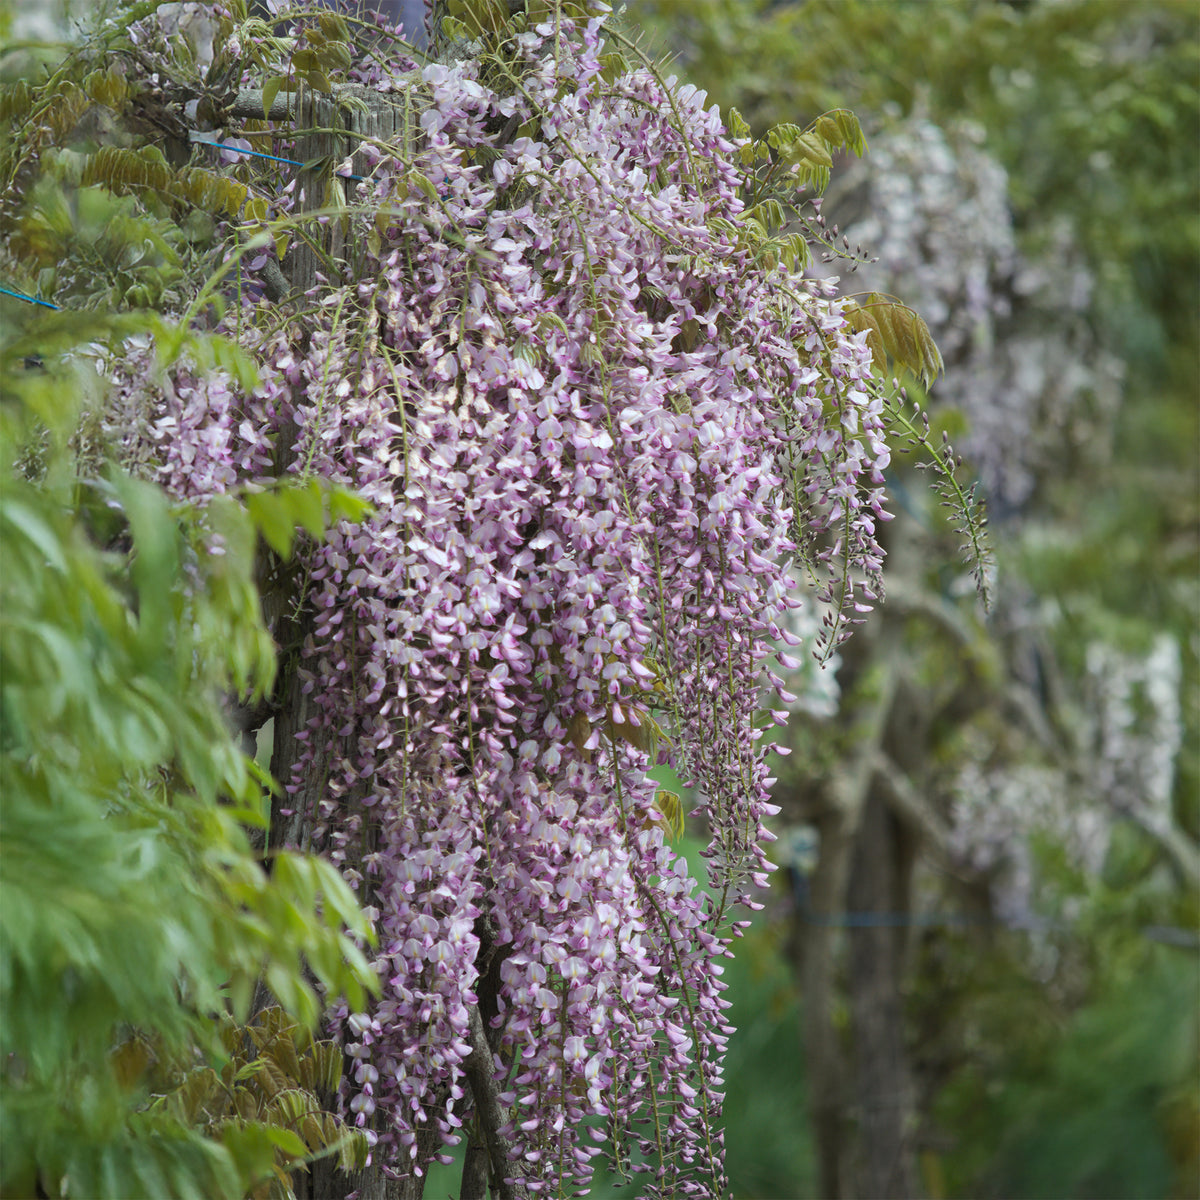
(872, 820)
(885, 1167)
(823, 1054)
(293, 814)
(836, 813)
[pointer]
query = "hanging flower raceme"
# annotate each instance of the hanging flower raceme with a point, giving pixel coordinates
(590, 421)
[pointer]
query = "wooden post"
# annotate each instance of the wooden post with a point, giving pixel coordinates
(329, 129)
(359, 112)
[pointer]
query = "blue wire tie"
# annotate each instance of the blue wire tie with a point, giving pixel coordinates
(29, 299)
(196, 139)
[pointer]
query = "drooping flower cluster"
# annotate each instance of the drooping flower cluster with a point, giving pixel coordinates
(589, 421)
(999, 812)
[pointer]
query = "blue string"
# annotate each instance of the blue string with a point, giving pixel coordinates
(29, 299)
(883, 920)
(291, 162)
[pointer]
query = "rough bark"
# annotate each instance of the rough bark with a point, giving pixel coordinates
(491, 1114)
(885, 1167)
(837, 816)
(823, 1054)
(334, 125)
(292, 814)
(871, 820)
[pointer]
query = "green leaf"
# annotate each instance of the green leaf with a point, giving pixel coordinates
(39, 533)
(353, 1150)
(307, 503)
(273, 519)
(453, 30)
(613, 66)
(335, 56)
(155, 568)
(808, 148)
(895, 330)
(853, 137)
(318, 80)
(271, 88)
(334, 27)
(670, 807)
(779, 137)
(415, 179)
(251, 1148)
(345, 505)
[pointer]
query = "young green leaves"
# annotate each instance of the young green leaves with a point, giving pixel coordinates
(807, 153)
(896, 332)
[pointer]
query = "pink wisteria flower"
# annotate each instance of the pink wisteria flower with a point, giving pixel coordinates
(590, 421)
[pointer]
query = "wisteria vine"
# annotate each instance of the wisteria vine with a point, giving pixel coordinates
(594, 423)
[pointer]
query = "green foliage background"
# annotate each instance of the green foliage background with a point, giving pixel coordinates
(136, 917)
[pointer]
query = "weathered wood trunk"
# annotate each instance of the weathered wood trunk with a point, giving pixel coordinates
(336, 126)
(332, 128)
(884, 1160)
(853, 930)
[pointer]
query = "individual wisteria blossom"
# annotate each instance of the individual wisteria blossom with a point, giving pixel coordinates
(591, 423)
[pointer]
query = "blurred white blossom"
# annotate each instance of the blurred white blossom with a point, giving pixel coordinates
(1137, 727)
(1022, 365)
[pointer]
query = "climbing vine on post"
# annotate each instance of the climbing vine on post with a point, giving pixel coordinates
(566, 350)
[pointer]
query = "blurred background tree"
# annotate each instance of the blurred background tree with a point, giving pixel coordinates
(991, 861)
